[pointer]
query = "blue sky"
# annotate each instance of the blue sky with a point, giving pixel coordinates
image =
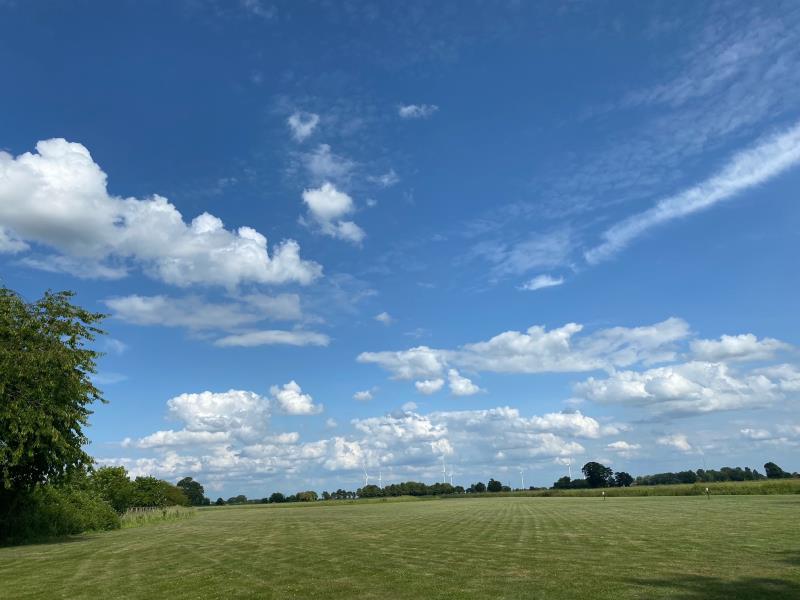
(338, 237)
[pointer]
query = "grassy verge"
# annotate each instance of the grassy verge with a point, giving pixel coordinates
(137, 517)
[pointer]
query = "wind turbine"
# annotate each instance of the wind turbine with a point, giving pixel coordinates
(521, 478)
(380, 479)
(444, 471)
(366, 476)
(569, 468)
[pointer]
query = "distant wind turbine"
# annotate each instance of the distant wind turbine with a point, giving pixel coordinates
(521, 479)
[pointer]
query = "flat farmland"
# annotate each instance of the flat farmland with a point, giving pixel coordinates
(515, 547)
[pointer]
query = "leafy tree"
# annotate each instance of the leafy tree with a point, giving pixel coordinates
(773, 471)
(219, 502)
(477, 488)
(193, 490)
(623, 479)
(494, 486)
(598, 475)
(563, 483)
(309, 496)
(45, 386)
(277, 498)
(240, 499)
(149, 491)
(114, 486)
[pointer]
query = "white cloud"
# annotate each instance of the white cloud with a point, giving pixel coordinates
(237, 413)
(542, 281)
(737, 347)
(538, 350)
(273, 337)
(384, 318)
(292, 401)
(545, 250)
(785, 376)
(417, 111)
(420, 361)
(322, 164)
(326, 206)
(688, 388)
(302, 124)
(756, 434)
(196, 314)
(461, 386)
(429, 386)
(623, 448)
(409, 406)
(10, 244)
(183, 437)
(363, 396)
(748, 168)
(678, 441)
(385, 180)
(57, 198)
(569, 423)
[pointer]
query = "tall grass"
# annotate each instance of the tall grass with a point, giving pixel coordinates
(136, 517)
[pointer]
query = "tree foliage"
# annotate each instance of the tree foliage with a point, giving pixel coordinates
(773, 471)
(194, 491)
(45, 386)
(598, 475)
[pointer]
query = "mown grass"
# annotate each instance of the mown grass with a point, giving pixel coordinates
(516, 547)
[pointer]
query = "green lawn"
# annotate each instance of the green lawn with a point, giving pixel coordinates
(659, 547)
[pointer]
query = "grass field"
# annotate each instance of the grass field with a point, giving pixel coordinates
(650, 547)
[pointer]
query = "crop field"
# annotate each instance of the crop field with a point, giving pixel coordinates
(515, 547)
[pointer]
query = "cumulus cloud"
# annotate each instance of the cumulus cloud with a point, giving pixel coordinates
(623, 448)
(687, 388)
(748, 168)
(384, 318)
(416, 111)
(459, 385)
(322, 164)
(679, 441)
(197, 314)
(273, 337)
(756, 434)
(302, 124)
(363, 396)
(226, 438)
(326, 207)
(57, 198)
(737, 348)
(291, 400)
(538, 350)
(542, 281)
(429, 386)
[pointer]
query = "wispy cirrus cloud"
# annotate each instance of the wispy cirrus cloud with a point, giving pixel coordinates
(748, 168)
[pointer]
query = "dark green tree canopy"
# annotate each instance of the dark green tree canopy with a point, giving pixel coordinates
(598, 475)
(45, 387)
(494, 486)
(193, 490)
(623, 479)
(774, 471)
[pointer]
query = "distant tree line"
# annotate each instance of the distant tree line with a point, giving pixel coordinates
(597, 475)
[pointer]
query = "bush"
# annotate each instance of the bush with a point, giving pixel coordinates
(50, 511)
